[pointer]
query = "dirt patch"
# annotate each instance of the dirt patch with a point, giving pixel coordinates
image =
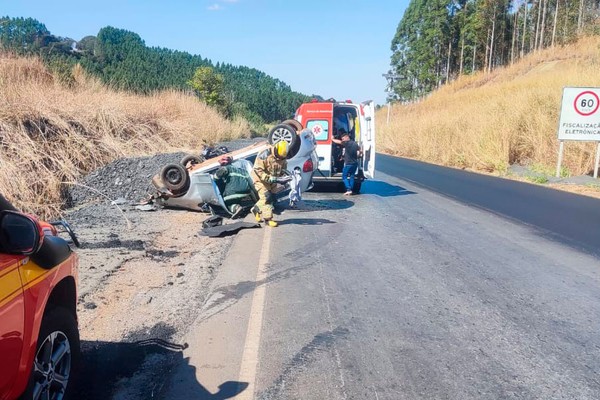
(143, 283)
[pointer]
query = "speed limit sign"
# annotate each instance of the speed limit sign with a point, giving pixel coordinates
(586, 103)
(580, 114)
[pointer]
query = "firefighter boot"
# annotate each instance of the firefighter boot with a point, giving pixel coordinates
(271, 223)
(256, 211)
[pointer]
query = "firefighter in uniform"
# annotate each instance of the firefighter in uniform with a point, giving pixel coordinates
(269, 165)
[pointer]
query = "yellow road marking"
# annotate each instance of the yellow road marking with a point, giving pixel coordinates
(249, 365)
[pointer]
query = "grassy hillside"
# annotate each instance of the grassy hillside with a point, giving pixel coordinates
(490, 121)
(52, 134)
(121, 59)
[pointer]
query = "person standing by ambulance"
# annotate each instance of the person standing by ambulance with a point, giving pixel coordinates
(352, 153)
(268, 167)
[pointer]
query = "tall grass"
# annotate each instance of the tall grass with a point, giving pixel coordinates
(490, 121)
(50, 133)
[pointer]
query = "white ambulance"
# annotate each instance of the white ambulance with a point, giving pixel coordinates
(327, 120)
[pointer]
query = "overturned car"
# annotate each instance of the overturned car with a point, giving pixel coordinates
(193, 184)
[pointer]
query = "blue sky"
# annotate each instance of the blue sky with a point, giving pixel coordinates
(335, 48)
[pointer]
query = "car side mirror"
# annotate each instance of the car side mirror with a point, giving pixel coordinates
(19, 233)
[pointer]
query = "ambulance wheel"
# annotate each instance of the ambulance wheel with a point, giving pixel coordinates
(175, 178)
(193, 160)
(283, 132)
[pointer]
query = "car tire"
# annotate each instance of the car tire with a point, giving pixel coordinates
(58, 332)
(175, 178)
(287, 133)
(190, 159)
(294, 124)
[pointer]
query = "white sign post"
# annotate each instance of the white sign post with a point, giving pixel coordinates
(579, 120)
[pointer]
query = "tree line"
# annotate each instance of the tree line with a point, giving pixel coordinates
(438, 40)
(122, 60)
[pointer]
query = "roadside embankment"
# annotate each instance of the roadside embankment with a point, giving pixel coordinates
(488, 122)
(51, 133)
(143, 276)
(143, 283)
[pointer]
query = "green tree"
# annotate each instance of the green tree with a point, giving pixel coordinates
(438, 40)
(209, 86)
(420, 48)
(87, 45)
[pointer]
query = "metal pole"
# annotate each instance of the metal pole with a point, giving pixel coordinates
(597, 160)
(388, 116)
(560, 157)
(390, 80)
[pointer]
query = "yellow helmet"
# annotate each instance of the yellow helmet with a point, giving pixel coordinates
(281, 149)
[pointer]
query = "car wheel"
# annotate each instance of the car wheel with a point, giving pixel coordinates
(293, 123)
(175, 178)
(193, 160)
(56, 357)
(283, 132)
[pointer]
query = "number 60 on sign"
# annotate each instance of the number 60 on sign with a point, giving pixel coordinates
(579, 120)
(580, 114)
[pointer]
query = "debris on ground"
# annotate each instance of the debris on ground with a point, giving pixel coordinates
(227, 229)
(146, 207)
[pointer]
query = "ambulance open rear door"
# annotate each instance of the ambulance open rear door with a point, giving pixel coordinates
(367, 137)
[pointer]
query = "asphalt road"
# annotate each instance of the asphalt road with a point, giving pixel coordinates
(402, 293)
(568, 217)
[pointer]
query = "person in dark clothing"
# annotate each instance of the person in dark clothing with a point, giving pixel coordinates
(337, 154)
(234, 184)
(352, 153)
(5, 205)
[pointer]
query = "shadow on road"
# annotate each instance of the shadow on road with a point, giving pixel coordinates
(328, 187)
(190, 389)
(383, 189)
(314, 205)
(325, 204)
(142, 368)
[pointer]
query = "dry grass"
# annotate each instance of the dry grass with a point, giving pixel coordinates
(489, 121)
(50, 134)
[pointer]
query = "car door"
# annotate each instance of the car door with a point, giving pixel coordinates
(367, 137)
(12, 314)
